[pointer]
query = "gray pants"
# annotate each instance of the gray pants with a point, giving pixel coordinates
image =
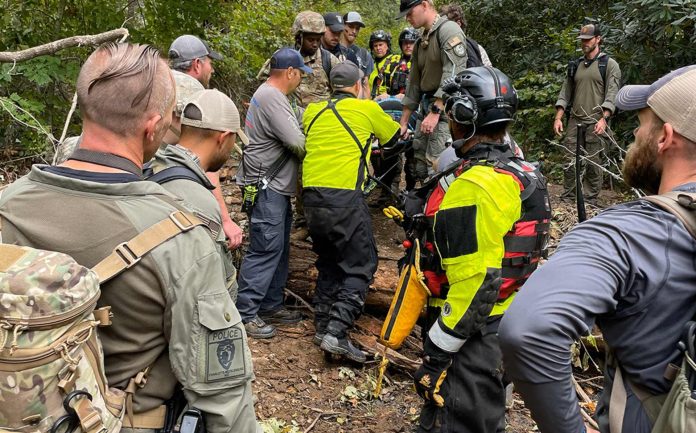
(427, 148)
(264, 270)
(595, 150)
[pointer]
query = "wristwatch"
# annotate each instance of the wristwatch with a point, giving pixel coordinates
(435, 109)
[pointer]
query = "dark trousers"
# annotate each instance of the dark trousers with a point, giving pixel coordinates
(474, 390)
(388, 171)
(264, 270)
(342, 238)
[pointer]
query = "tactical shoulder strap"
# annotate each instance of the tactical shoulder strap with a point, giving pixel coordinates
(680, 204)
(127, 254)
(177, 173)
(326, 61)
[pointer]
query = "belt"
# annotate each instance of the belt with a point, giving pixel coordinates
(151, 419)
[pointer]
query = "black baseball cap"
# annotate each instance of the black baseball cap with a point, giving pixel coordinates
(405, 6)
(334, 21)
(286, 58)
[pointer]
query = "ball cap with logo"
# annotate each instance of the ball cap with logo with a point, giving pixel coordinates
(189, 47)
(672, 98)
(217, 112)
(334, 21)
(286, 58)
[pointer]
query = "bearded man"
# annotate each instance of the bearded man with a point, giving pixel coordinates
(630, 270)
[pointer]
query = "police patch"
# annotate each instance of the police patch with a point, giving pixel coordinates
(225, 355)
(459, 50)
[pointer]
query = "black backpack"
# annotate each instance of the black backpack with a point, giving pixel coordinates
(473, 54)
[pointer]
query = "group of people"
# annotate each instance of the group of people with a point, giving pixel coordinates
(492, 316)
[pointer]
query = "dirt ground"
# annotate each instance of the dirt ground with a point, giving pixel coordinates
(299, 390)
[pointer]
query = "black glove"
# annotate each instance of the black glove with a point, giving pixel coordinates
(429, 377)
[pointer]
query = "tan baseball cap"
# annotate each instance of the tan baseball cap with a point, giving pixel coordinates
(672, 98)
(216, 111)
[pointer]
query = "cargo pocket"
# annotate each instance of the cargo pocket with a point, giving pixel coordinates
(223, 359)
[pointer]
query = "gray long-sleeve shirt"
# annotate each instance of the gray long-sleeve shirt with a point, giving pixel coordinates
(631, 270)
(272, 127)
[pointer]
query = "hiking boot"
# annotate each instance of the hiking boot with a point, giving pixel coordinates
(257, 328)
(342, 346)
(301, 234)
(281, 316)
(317, 338)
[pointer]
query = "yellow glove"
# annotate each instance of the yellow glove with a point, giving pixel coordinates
(393, 213)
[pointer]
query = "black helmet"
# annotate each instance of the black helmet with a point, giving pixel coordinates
(480, 96)
(380, 35)
(408, 35)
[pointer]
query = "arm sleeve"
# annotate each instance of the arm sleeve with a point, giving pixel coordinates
(612, 85)
(453, 53)
(577, 284)
(412, 95)
(208, 348)
(477, 211)
(484, 57)
(564, 94)
(265, 71)
(283, 122)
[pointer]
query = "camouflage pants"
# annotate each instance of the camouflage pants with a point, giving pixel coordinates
(591, 173)
(427, 148)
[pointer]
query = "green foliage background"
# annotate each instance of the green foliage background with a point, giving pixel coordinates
(531, 41)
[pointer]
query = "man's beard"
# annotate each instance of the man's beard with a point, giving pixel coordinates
(589, 48)
(641, 168)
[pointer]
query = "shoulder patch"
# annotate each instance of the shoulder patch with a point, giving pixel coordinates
(459, 50)
(454, 41)
(225, 354)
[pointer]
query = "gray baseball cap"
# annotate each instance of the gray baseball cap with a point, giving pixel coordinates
(353, 18)
(345, 74)
(217, 112)
(672, 98)
(189, 47)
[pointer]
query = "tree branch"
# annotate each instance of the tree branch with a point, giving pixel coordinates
(55, 46)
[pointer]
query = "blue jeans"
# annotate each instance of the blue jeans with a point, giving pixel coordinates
(264, 270)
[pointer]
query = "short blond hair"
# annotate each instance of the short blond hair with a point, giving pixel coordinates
(120, 84)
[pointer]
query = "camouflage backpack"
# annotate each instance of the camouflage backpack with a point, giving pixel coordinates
(51, 360)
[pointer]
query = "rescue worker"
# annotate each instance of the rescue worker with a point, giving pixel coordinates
(398, 66)
(630, 271)
(353, 23)
(209, 127)
(380, 46)
(439, 53)
(338, 137)
(308, 30)
(191, 61)
(587, 96)
(268, 172)
(490, 229)
(331, 40)
(174, 323)
(476, 54)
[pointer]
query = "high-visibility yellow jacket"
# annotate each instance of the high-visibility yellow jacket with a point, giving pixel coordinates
(479, 208)
(336, 151)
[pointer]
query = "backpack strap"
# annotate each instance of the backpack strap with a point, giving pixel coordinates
(127, 254)
(680, 204)
(326, 61)
(177, 173)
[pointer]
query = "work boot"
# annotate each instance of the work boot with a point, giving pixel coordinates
(342, 346)
(281, 316)
(318, 337)
(257, 328)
